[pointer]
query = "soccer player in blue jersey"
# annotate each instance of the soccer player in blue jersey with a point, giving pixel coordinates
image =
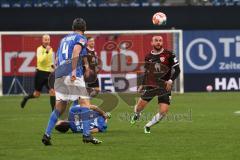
(97, 122)
(69, 82)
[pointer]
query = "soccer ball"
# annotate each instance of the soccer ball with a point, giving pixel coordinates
(209, 88)
(159, 18)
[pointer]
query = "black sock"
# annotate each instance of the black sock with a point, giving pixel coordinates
(52, 102)
(29, 96)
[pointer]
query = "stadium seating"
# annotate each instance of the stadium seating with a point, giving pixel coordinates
(113, 3)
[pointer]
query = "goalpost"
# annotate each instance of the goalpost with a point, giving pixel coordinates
(22, 45)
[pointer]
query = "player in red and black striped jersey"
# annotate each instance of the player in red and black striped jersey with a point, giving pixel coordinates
(91, 78)
(161, 69)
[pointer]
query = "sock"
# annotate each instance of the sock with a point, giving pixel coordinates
(86, 121)
(52, 102)
(86, 128)
(154, 120)
(29, 96)
(137, 113)
(52, 121)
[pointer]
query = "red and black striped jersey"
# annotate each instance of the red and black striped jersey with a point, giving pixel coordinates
(158, 67)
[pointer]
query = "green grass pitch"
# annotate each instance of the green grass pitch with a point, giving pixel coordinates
(199, 126)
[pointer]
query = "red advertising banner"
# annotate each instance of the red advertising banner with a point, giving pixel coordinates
(19, 51)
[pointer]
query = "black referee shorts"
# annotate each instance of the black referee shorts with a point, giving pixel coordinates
(41, 80)
(150, 92)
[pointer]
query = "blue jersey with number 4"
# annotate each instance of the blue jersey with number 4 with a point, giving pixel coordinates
(64, 54)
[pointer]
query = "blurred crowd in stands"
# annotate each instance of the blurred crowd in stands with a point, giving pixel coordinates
(114, 3)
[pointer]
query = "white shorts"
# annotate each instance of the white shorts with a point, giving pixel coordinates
(66, 90)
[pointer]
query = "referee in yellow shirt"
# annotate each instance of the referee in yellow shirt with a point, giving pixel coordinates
(45, 65)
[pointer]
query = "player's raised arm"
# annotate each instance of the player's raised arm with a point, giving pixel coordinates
(75, 56)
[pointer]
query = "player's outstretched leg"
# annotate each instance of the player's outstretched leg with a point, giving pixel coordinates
(153, 121)
(51, 123)
(137, 110)
(135, 117)
(25, 99)
(60, 108)
(158, 117)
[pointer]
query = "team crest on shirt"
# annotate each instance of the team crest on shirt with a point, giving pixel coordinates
(162, 59)
(82, 42)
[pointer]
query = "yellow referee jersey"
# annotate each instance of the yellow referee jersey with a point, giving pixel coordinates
(44, 60)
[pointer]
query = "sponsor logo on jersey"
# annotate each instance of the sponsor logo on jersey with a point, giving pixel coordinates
(162, 59)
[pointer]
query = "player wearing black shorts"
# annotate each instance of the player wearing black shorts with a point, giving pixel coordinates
(45, 65)
(161, 69)
(91, 79)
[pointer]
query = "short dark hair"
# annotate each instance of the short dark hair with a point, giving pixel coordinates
(79, 24)
(63, 127)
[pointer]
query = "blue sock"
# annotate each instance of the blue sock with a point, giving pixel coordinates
(86, 121)
(52, 121)
(86, 128)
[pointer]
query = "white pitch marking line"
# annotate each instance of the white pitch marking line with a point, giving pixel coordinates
(237, 112)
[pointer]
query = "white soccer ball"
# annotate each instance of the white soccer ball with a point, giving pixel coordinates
(159, 18)
(209, 88)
